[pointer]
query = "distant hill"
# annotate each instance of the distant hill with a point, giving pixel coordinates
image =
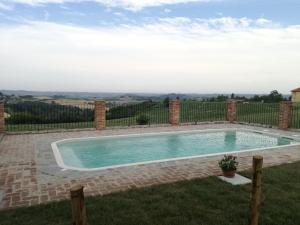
(113, 95)
(55, 93)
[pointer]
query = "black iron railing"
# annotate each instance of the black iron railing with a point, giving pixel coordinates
(35, 115)
(197, 111)
(258, 113)
(296, 116)
(40, 115)
(130, 114)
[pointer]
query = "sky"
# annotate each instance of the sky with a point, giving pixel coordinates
(163, 46)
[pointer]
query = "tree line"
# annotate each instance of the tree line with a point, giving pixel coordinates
(273, 97)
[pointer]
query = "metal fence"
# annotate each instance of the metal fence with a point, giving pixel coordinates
(36, 116)
(296, 116)
(196, 111)
(258, 113)
(130, 114)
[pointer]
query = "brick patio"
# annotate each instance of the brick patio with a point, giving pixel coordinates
(29, 174)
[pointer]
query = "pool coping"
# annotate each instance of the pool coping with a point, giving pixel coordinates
(63, 166)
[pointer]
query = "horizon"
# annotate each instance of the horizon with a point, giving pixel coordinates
(148, 93)
(159, 46)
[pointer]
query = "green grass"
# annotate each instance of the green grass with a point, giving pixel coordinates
(206, 201)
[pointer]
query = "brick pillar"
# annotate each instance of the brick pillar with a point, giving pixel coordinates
(100, 115)
(231, 111)
(2, 119)
(174, 112)
(285, 115)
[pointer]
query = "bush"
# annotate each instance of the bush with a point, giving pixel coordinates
(142, 119)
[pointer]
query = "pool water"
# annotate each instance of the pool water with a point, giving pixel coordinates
(91, 153)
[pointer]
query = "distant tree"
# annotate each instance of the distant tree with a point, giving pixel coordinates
(26, 96)
(212, 99)
(232, 96)
(166, 102)
(256, 98)
(274, 96)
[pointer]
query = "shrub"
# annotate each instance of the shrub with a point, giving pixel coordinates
(142, 119)
(228, 163)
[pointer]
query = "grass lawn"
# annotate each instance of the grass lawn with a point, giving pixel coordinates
(199, 201)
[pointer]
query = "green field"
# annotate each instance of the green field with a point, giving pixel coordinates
(206, 201)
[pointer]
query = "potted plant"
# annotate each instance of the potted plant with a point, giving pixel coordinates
(228, 165)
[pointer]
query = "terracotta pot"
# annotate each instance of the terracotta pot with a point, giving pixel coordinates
(229, 174)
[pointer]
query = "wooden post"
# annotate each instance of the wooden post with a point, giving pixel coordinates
(78, 207)
(256, 190)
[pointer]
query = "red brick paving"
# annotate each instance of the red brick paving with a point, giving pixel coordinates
(21, 184)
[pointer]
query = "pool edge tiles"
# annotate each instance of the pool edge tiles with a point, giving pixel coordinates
(61, 163)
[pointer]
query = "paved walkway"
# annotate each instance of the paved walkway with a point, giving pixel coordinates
(29, 174)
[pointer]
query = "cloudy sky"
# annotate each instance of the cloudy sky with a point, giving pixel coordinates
(193, 46)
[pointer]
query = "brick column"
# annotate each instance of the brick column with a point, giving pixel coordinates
(231, 111)
(100, 114)
(174, 112)
(2, 119)
(285, 115)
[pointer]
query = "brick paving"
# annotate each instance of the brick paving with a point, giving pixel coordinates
(29, 174)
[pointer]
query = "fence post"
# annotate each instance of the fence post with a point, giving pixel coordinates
(100, 115)
(256, 189)
(174, 112)
(285, 115)
(2, 118)
(231, 111)
(78, 207)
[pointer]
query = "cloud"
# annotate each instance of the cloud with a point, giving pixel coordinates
(171, 55)
(133, 5)
(167, 10)
(5, 6)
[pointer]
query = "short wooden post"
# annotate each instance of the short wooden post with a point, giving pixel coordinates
(256, 190)
(78, 207)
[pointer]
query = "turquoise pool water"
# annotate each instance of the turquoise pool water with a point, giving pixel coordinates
(119, 150)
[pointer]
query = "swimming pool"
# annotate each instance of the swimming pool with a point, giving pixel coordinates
(122, 150)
